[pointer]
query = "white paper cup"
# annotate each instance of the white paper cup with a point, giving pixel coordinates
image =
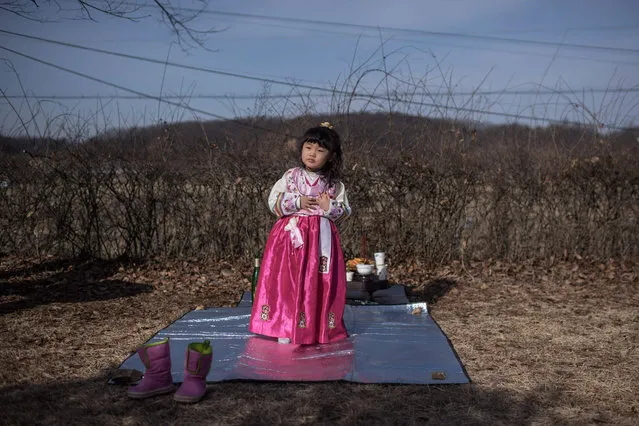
(349, 275)
(380, 258)
(381, 272)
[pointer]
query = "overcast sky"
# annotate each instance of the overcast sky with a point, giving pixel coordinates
(474, 51)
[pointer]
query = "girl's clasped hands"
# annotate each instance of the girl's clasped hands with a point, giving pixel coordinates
(323, 201)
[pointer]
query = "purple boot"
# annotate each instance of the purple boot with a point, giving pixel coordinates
(196, 366)
(157, 379)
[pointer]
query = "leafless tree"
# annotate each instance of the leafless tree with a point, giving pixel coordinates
(180, 20)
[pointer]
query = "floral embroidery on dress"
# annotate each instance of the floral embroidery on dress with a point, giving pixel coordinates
(265, 311)
(302, 321)
(323, 264)
(290, 204)
(290, 182)
(332, 191)
(331, 320)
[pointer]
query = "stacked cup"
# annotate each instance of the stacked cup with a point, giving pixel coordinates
(380, 265)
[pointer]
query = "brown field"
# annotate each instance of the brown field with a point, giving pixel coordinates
(542, 343)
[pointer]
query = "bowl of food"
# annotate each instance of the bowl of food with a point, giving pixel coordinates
(351, 265)
(364, 269)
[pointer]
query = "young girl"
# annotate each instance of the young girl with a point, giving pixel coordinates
(301, 289)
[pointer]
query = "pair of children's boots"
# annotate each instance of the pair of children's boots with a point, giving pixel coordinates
(157, 379)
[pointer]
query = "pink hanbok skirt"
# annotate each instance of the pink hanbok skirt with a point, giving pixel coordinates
(299, 295)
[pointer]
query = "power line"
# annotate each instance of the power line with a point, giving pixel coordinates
(463, 47)
(445, 44)
(393, 95)
(136, 92)
(438, 33)
(210, 114)
(169, 63)
(330, 91)
(405, 30)
(578, 29)
(458, 46)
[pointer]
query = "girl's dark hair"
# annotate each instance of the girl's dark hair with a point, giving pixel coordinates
(327, 138)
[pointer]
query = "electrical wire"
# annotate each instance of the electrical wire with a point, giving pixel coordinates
(210, 114)
(395, 95)
(136, 92)
(399, 30)
(331, 91)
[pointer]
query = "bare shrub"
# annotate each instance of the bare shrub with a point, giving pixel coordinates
(437, 198)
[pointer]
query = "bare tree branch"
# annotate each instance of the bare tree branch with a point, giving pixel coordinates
(180, 21)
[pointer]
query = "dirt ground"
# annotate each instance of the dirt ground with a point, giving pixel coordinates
(542, 343)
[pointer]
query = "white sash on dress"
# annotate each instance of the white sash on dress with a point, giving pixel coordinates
(294, 232)
(325, 241)
(325, 245)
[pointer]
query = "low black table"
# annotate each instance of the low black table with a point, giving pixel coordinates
(362, 286)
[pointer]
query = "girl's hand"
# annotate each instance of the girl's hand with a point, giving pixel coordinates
(324, 201)
(307, 202)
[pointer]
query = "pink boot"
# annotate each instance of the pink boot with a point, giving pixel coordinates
(157, 379)
(196, 366)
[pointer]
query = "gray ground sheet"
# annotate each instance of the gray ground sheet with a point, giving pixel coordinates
(386, 344)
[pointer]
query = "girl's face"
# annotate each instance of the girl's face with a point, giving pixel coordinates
(314, 156)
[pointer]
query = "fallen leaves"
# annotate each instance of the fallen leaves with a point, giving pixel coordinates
(515, 335)
(438, 375)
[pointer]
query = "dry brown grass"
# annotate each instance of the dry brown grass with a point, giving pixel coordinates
(543, 344)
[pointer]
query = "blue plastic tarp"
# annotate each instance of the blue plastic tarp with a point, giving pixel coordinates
(386, 344)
